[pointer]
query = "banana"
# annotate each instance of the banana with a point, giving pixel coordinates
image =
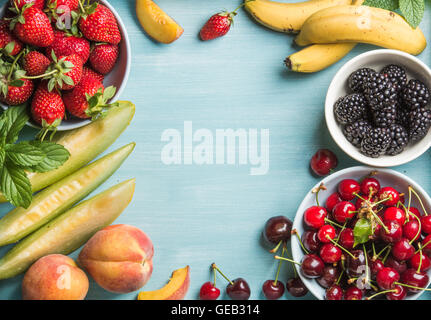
(361, 24)
(287, 17)
(317, 57)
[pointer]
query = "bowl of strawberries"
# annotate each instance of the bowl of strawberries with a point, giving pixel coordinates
(67, 60)
(364, 233)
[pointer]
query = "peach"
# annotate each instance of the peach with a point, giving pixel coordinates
(119, 258)
(175, 289)
(54, 277)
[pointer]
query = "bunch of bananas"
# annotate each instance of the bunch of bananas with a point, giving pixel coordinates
(331, 28)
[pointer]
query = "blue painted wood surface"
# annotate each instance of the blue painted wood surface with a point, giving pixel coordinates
(195, 214)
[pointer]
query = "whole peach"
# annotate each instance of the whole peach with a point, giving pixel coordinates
(54, 277)
(119, 258)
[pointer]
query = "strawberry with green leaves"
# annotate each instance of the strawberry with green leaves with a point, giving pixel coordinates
(65, 72)
(98, 23)
(47, 109)
(103, 57)
(89, 99)
(54, 8)
(40, 4)
(35, 63)
(65, 45)
(7, 38)
(32, 26)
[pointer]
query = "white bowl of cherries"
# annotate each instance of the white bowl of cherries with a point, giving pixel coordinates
(381, 212)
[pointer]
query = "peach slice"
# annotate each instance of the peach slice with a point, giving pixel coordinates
(175, 289)
(156, 23)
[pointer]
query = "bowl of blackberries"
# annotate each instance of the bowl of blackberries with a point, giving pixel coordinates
(364, 233)
(378, 108)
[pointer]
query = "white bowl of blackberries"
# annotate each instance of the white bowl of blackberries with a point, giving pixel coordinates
(378, 108)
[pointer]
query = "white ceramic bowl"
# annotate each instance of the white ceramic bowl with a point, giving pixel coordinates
(376, 59)
(117, 77)
(387, 177)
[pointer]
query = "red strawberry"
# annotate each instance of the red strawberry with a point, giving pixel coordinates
(88, 99)
(218, 25)
(6, 37)
(40, 4)
(98, 24)
(33, 27)
(35, 63)
(53, 5)
(88, 72)
(17, 94)
(47, 108)
(65, 45)
(69, 72)
(103, 57)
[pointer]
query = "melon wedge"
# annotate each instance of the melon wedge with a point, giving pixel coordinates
(69, 231)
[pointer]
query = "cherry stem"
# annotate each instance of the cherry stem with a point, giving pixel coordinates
(340, 246)
(357, 195)
(386, 255)
(375, 257)
(339, 234)
(222, 274)
(286, 259)
(374, 252)
(423, 246)
(279, 264)
(215, 276)
(379, 221)
(275, 249)
(333, 223)
(419, 229)
(380, 293)
(412, 287)
(339, 278)
(317, 190)
(295, 232)
(381, 201)
(419, 198)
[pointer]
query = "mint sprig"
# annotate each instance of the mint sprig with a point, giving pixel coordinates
(17, 158)
(412, 10)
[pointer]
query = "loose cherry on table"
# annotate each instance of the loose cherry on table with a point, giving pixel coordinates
(323, 162)
(348, 189)
(403, 250)
(272, 289)
(277, 229)
(343, 211)
(296, 287)
(394, 214)
(335, 292)
(369, 186)
(237, 289)
(209, 291)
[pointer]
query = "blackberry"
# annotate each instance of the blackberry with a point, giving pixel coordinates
(350, 108)
(379, 91)
(376, 142)
(356, 131)
(358, 78)
(415, 94)
(419, 123)
(403, 115)
(400, 139)
(386, 116)
(396, 74)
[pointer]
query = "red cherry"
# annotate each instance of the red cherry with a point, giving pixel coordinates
(323, 162)
(427, 245)
(376, 266)
(330, 253)
(296, 287)
(362, 204)
(386, 277)
(209, 292)
(332, 200)
(347, 238)
(238, 289)
(389, 195)
(347, 189)
(325, 232)
(396, 214)
(343, 211)
(426, 224)
(272, 290)
(415, 211)
(394, 233)
(403, 250)
(312, 266)
(398, 266)
(310, 240)
(353, 293)
(416, 279)
(314, 217)
(399, 293)
(370, 185)
(334, 293)
(412, 230)
(415, 261)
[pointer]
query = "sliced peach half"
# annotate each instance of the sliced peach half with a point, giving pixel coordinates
(156, 23)
(175, 289)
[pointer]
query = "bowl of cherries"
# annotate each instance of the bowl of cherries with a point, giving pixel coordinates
(364, 234)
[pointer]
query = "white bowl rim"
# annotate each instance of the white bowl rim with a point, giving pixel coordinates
(295, 246)
(333, 125)
(125, 38)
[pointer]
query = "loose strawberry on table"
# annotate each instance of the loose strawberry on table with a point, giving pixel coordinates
(103, 57)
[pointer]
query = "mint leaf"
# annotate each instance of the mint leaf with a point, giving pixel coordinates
(413, 11)
(362, 231)
(383, 4)
(24, 154)
(55, 156)
(15, 119)
(15, 185)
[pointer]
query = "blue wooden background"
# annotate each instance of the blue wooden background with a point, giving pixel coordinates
(197, 215)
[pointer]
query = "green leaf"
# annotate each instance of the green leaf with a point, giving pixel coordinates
(15, 120)
(55, 156)
(24, 154)
(9, 47)
(383, 4)
(362, 231)
(16, 83)
(109, 93)
(15, 185)
(413, 11)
